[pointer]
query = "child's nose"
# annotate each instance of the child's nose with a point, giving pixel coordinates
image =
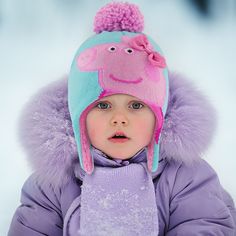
(119, 119)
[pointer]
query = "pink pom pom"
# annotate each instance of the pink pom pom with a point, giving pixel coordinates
(119, 16)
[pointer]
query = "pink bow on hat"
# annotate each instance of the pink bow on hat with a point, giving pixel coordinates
(141, 43)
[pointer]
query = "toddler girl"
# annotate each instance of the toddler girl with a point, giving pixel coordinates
(122, 157)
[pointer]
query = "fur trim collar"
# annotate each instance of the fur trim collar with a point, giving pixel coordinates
(46, 133)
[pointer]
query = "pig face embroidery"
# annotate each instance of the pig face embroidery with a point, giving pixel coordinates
(130, 66)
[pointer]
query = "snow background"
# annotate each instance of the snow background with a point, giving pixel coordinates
(38, 40)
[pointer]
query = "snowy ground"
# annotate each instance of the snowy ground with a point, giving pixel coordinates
(39, 38)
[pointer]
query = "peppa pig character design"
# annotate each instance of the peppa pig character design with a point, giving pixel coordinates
(142, 68)
(126, 64)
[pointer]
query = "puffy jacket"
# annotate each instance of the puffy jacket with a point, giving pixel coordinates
(189, 196)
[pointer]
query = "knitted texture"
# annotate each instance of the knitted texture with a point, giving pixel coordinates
(118, 201)
(119, 17)
(124, 61)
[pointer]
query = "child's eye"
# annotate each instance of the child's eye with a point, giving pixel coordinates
(137, 105)
(102, 105)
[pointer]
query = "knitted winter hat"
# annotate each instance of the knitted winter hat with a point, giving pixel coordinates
(119, 59)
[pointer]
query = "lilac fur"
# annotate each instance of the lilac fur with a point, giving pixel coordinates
(46, 133)
(190, 122)
(118, 16)
(45, 129)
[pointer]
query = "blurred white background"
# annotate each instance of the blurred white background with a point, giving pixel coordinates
(38, 40)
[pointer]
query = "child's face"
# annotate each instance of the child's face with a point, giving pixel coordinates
(124, 113)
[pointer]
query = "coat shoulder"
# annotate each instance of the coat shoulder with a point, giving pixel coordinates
(195, 187)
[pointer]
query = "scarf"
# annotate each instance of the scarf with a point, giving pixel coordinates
(118, 198)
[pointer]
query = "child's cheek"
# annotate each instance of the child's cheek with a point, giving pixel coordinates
(93, 135)
(143, 129)
(92, 126)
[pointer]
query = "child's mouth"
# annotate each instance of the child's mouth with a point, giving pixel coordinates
(118, 139)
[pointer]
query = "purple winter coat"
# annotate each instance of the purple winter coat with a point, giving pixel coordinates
(190, 199)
